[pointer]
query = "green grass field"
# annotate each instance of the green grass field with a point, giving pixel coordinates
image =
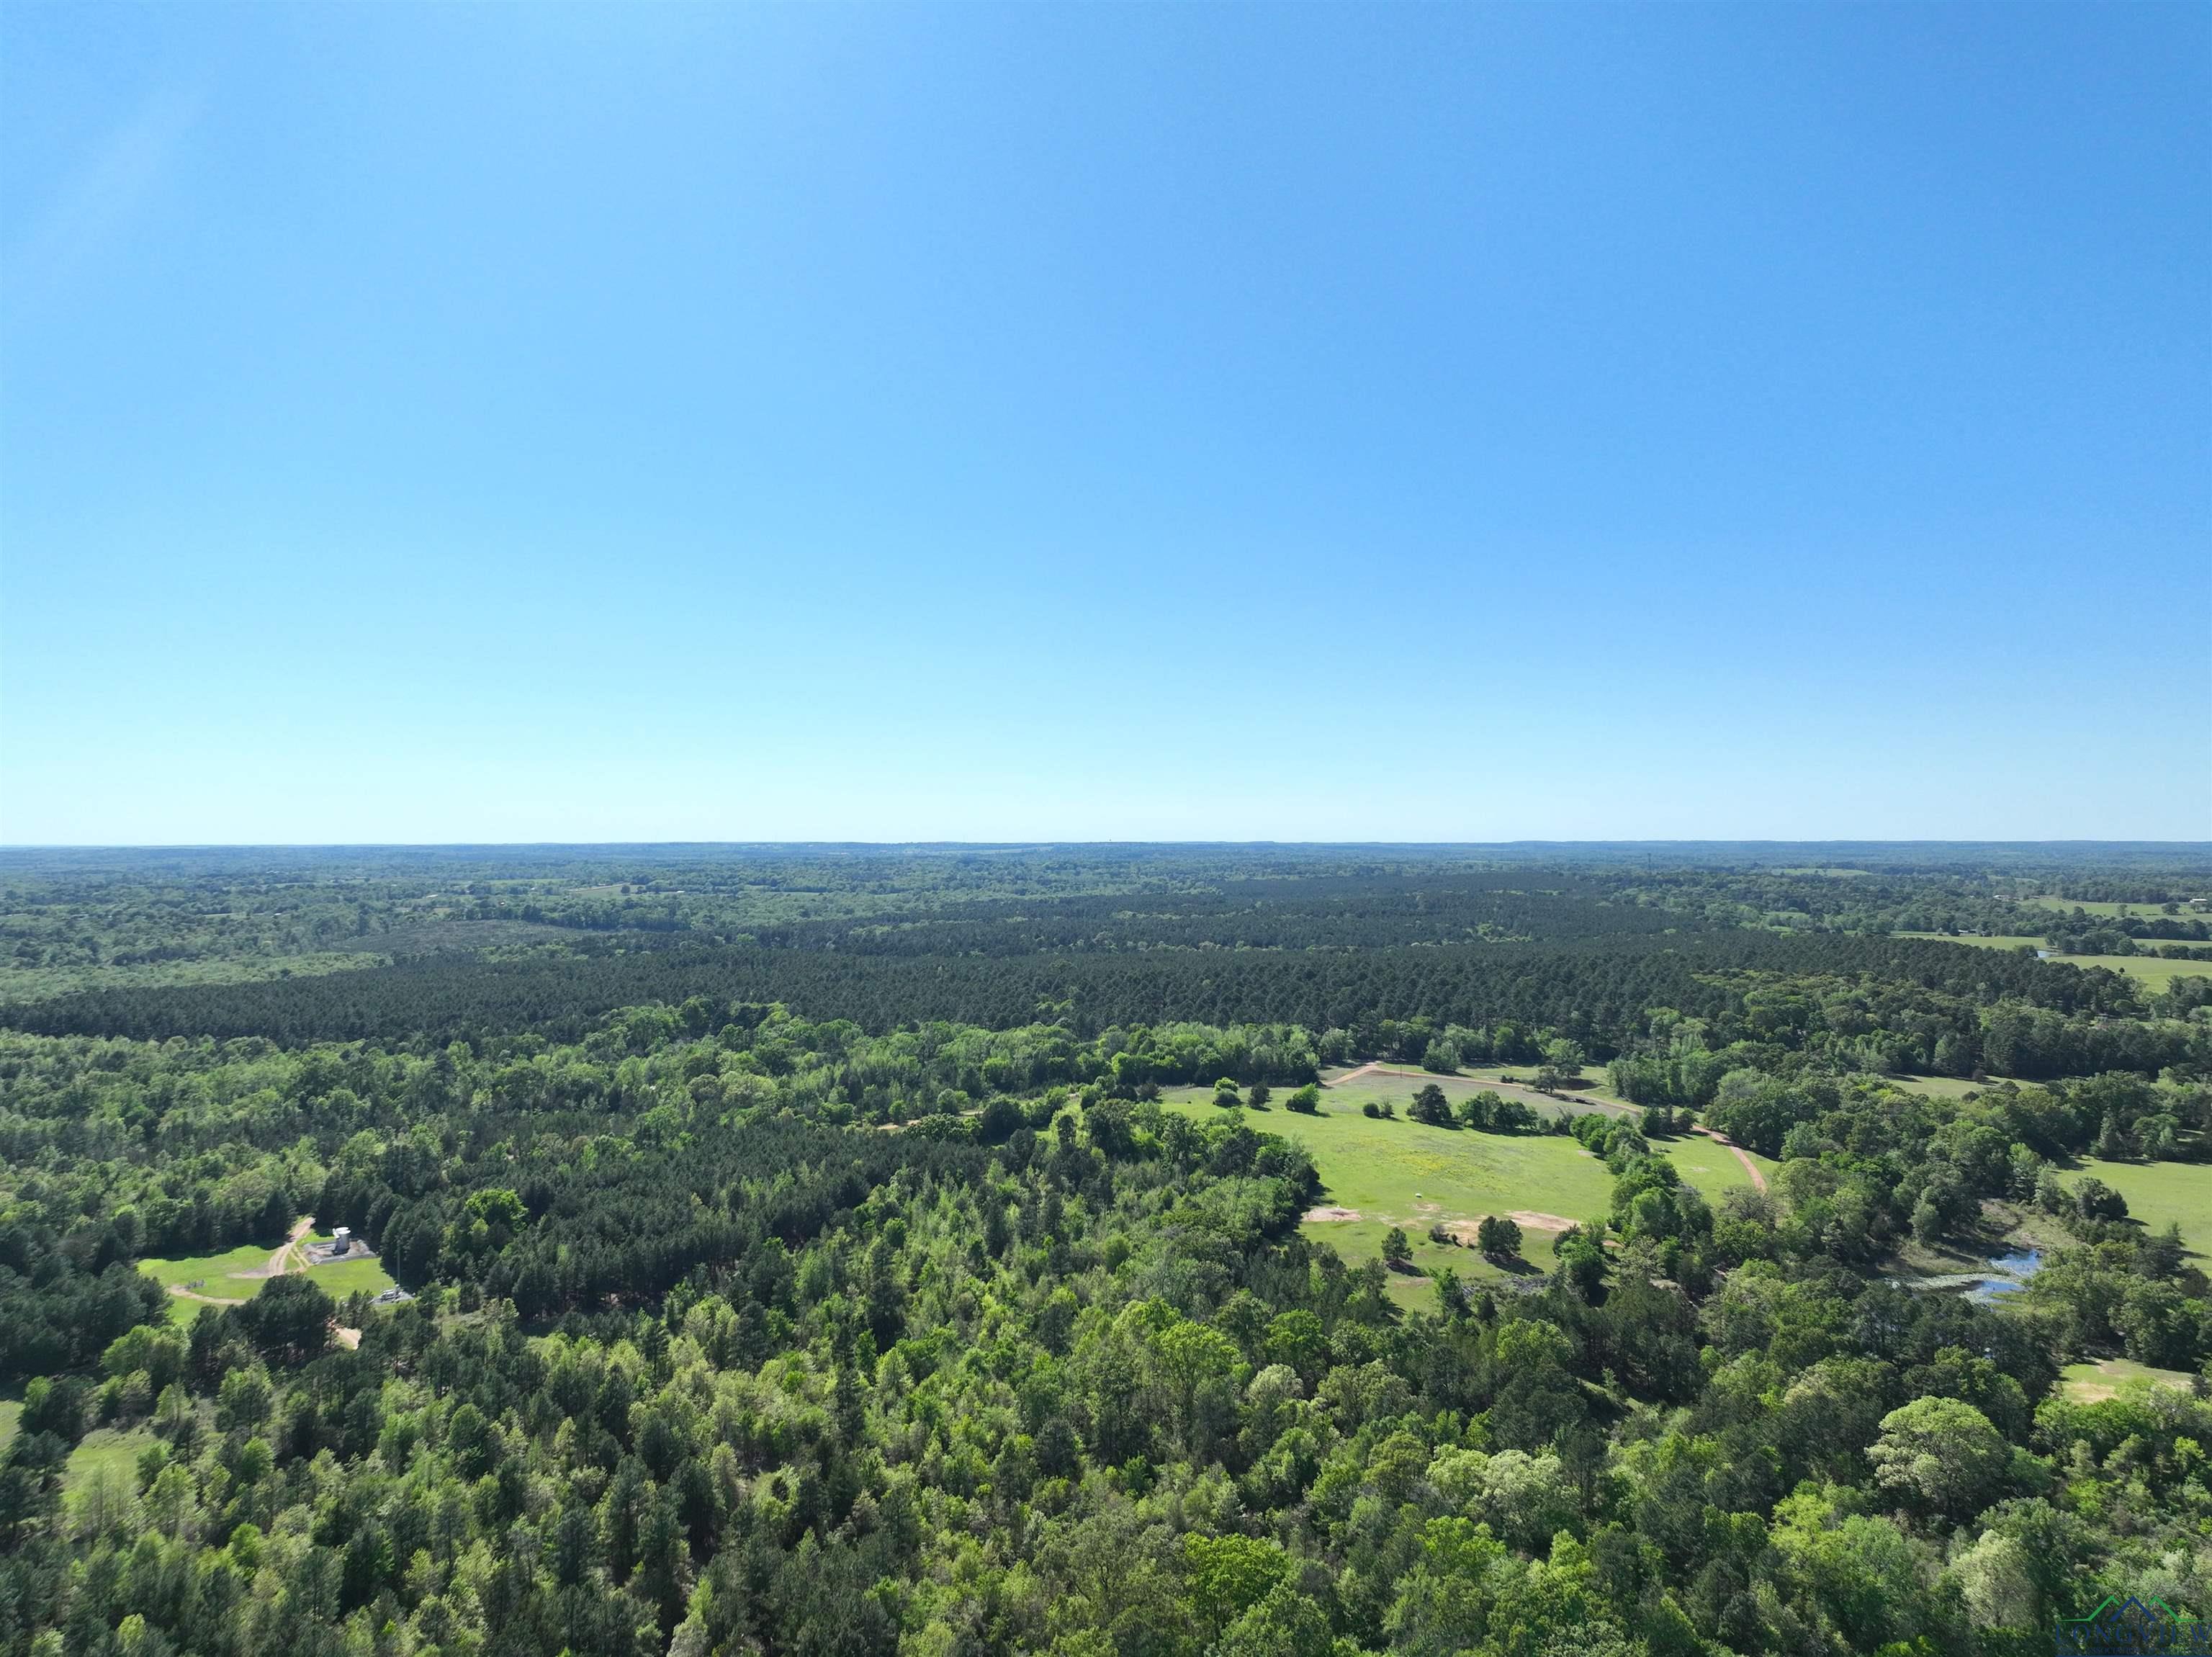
(11, 1411)
(2153, 970)
(2145, 912)
(342, 1277)
(1399, 1090)
(1402, 1174)
(2161, 1191)
(215, 1276)
(2090, 1382)
(24, 983)
(1598, 1090)
(209, 1275)
(106, 1447)
(1945, 1086)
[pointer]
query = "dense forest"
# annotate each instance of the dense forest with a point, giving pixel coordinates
(848, 1251)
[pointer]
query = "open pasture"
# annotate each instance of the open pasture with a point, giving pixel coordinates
(1403, 1173)
(1353, 1088)
(2092, 1383)
(2158, 1192)
(2155, 971)
(238, 1274)
(106, 1449)
(2141, 911)
(218, 1276)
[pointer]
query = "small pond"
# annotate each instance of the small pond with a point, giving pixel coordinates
(2006, 1274)
(2009, 1274)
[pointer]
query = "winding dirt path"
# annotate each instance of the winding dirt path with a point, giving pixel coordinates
(287, 1258)
(1757, 1179)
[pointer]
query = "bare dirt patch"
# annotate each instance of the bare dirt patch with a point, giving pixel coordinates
(1324, 1215)
(1540, 1221)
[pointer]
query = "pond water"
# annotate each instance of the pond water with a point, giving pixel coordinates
(2015, 1269)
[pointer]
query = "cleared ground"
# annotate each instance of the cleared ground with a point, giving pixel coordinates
(1404, 1174)
(238, 1274)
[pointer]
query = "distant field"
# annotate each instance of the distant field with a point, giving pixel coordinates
(2146, 911)
(1598, 1089)
(2153, 970)
(1937, 1086)
(1978, 942)
(2161, 1191)
(1403, 1173)
(1401, 1089)
(26, 984)
(11, 1411)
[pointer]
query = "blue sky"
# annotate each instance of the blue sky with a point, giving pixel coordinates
(498, 423)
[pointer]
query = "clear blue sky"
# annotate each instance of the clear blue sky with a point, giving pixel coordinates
(496, 423)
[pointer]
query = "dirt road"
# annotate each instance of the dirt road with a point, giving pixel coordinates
(287, 1258)
(1757, 1179)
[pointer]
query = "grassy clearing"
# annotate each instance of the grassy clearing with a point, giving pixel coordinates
(1936, 1086)
(1977, 941)
(2155, 971)
(342, 1277)
(1402, 1174)
(2089, 1383)
(106, 1447)
(11, 1411)
(2161, 1191)
(1711, 1168)
(212, 1274)
(1399, 1090)
(1495, 1075)
(2145, 912)
(216, 1277)
(28, 983)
